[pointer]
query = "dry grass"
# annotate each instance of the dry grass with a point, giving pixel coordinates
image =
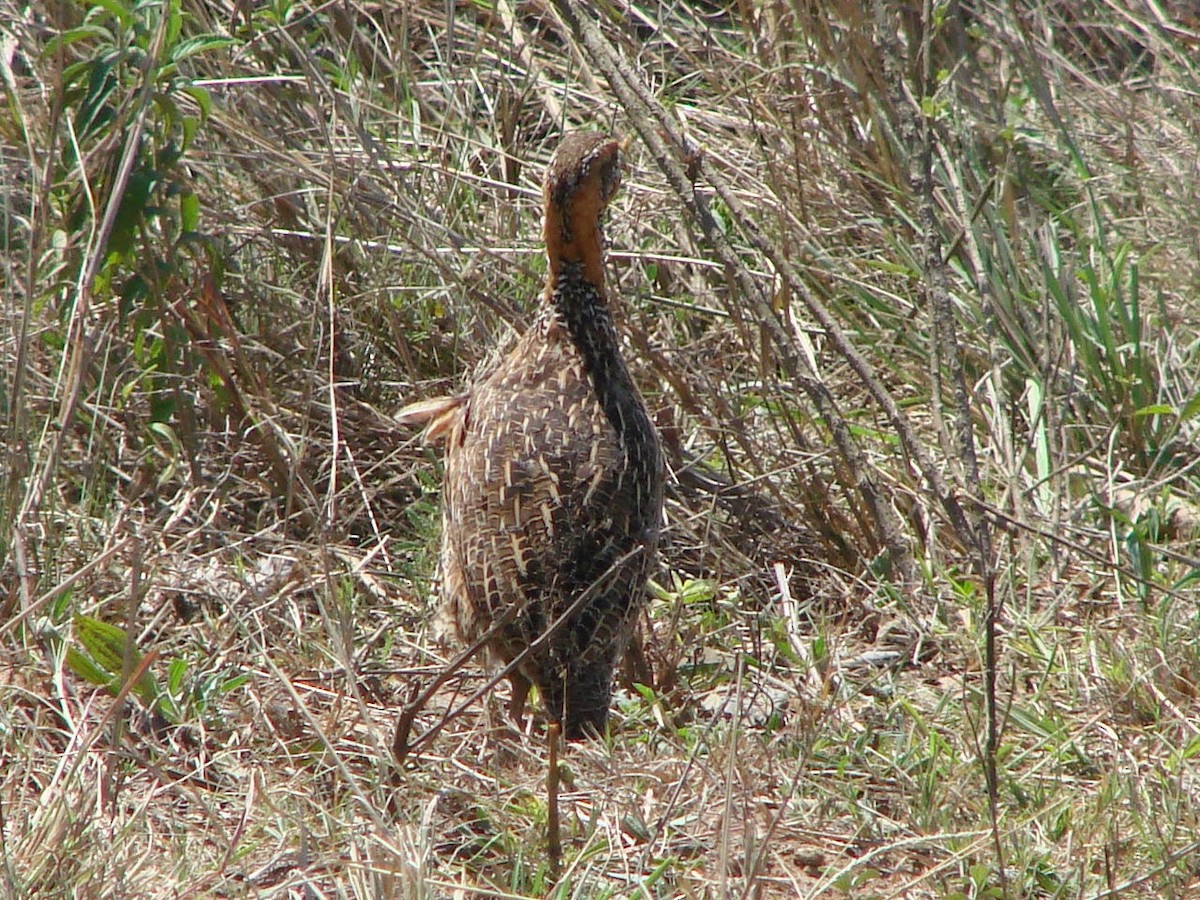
(221, 278)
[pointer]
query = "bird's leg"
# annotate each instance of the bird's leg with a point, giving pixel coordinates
(520, 691)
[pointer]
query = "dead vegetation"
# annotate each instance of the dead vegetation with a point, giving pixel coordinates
(913, 298)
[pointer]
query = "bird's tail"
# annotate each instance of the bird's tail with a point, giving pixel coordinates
(579, 698)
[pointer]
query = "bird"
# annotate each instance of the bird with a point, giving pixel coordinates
(552, 502)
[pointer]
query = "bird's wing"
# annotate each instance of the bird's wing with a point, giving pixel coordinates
(439, 415)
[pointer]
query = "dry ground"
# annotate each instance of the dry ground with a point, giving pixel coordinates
(915, 300)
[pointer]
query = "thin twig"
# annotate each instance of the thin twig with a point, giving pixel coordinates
(553, 835)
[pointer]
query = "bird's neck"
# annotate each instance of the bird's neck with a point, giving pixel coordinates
(574, 241)
(579, 304)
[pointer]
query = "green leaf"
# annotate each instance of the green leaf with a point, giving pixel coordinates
(1157, 409)
(175, 673)
(53, 339)
(980, 874)
(1191, 578)
(96, 33)
(115, 8)
(1190, 409)
(129, 213)
(106, 644)
(662, 868)
(647, 693)
(174, 25)
(189, 211)
(167, 433)
(199, 44)
(190, 126)
(202, 97)
(82, 665)
(168, 111)
(94, 111)
(104, 641)
(855, 879)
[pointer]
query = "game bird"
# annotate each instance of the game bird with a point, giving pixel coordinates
(553, 492)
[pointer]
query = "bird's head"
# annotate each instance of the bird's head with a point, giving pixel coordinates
(583, 176)
(585, 168)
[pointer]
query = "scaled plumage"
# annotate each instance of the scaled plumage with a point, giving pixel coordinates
(554, 473)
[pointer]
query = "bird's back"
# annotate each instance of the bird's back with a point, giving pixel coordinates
(540, 514)
(554, 472)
